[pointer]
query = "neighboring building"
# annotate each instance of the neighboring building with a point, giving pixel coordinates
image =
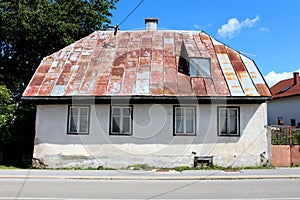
(284, 108)
(157, 97)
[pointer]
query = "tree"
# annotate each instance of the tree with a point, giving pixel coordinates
(7, 110)
(29, 31)
(33, 29)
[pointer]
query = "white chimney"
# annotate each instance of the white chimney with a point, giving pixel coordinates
(151, 24)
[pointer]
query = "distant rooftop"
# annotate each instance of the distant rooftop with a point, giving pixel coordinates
(287, 88)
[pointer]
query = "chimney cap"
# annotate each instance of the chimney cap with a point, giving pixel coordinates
(151, 20)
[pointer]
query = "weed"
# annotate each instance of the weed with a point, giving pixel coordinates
(8, 167)
(145, 167)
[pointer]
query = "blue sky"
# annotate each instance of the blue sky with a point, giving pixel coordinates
(267, 31)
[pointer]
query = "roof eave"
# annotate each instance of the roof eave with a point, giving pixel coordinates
(147, 99)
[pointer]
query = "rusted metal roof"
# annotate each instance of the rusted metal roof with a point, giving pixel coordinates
(145, 63)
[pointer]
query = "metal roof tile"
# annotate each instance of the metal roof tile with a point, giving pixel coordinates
(229, 74)
(198, 86)
(145, 63)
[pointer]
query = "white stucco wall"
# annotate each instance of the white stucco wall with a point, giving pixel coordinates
(288, 108)
(152, 141)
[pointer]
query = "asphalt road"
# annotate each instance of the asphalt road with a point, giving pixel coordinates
(58, 189)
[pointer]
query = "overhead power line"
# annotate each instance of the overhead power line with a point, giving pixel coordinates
(116, 27)
(131, 12)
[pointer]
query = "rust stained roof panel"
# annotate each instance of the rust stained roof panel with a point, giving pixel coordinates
(217, 74)
(256, 77)
(144, 63)
(241, 71)
(230, 76)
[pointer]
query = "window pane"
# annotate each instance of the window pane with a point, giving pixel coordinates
(83, 124)
(126, 111)
(233, 126)
(126, 125)
(233, 121)
(223, 125)
(74, 111)
(73, 124)
(200, 67)
(179, 112)
(189, 112)
(116, 125)
(179, 124)
(223, 120)
(83, 111)
(223, 112)
(194, 72)
(189, 117)
(116, 112)
(189, 125)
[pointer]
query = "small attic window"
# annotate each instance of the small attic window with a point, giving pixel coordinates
(200, 67)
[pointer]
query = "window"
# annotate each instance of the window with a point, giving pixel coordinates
(200, 67)
(78, 122)
(228, 121)
(184, 120)
(121, 120)
(293, 122)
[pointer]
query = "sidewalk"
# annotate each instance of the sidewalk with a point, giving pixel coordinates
(278, 173)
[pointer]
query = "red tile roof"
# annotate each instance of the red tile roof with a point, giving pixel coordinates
(144, 63)
(286, 88)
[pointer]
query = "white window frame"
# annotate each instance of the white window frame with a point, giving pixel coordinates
(78, 120)
(121, 132)
(183, 109)
(228, 120)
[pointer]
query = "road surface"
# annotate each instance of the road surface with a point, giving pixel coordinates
(58, 189)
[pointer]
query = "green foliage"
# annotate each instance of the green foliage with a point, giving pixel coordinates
(145, 167)
(104, 168)
(283, 136)
(7, 110)
(8, 167)
(101, 167)
(182, 168)
(29, 31)
(33, 29)
(296, 137)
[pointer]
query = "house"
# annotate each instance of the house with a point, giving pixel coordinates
(159, 97)
(284, 107)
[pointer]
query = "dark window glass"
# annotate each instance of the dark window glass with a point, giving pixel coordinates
(184, 120)
(78, 120)
(121, 120)
(228, 121)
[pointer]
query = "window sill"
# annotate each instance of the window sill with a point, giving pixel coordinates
(228, 135)
(77, 133)
(120, 134)
(183, 134)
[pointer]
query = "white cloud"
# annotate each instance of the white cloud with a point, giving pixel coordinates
(272, 77)
(201, 27)
(264, 29)
(197, 26)
(234, 27)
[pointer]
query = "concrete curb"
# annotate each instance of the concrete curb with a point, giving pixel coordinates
(242, 177)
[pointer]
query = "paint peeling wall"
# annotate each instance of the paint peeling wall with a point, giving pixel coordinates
(152, 141)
